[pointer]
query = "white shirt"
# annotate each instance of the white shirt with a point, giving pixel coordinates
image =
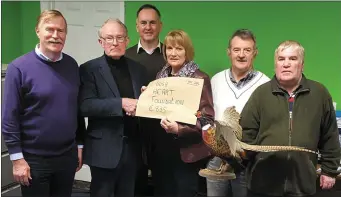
(226, 94)
(44, 57)
(139, 45)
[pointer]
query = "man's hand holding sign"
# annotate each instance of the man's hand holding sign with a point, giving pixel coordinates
(171, 99)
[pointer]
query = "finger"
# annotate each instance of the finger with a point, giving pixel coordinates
(29, 175)
(16, 178)
(26, 182)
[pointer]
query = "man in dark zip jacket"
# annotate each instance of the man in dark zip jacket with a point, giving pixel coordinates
(290, 110)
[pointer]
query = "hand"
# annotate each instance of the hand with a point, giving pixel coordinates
(21, 172)
(129, 106)
(170, 126)
(143, 88)
(80, 159)
(326, 182)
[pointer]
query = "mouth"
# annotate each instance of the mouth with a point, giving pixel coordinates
(54, 42)
(242, 61)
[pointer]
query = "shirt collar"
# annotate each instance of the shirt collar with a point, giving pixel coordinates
(249, 75)
(139, 45)
(44, 57)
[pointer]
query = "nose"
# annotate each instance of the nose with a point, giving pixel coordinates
(115, 42)
(241, 54)
(148, 26)
(286, 63)
(173, 52)
(55, 34)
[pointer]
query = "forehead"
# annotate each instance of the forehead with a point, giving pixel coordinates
(238, 42)
(148, 15)
(57, 22)
(113, 29)
(288, 52)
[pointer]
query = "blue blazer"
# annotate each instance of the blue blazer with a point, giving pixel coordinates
(101, 102)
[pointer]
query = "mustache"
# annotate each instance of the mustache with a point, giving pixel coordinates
(242, 60)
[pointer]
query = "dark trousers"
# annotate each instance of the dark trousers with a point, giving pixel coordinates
(51, 176)
(173, 177)
(141, 183)
(119, 181)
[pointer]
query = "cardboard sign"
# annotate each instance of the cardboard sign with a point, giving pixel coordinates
(176, 98)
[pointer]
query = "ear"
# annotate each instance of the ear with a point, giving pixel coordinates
(37, 32)
(128, 41)
(255, 53)
(161, 24)
(228, 52)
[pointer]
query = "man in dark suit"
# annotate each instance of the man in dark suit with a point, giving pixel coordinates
(110, 86)
(148, 52)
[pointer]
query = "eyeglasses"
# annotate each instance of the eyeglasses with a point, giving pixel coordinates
(110, 40)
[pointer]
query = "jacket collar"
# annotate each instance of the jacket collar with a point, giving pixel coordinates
(303, 86)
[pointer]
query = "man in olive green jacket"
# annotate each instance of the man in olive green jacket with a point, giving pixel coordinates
(290, 110)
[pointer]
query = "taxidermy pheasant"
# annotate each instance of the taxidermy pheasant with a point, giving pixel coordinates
(223, 138)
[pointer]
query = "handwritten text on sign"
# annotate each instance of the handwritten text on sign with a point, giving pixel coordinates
(176, 98)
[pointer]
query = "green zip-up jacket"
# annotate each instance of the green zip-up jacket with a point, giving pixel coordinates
(265, 120)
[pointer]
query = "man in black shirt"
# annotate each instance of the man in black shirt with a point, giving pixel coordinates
(110, 86)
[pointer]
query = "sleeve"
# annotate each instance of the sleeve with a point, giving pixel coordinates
(11, 107)
(329, 145)
(80, 132)
(206, 108)
(250, 122)
(90, 103)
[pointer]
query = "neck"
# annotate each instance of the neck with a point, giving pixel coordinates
(51, 55)
(149, 45)
(291, 87)
(175, 70)
(239, 74)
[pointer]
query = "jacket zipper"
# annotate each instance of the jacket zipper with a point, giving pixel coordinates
(290, 133)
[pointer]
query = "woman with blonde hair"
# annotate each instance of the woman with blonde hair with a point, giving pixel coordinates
(178, 151)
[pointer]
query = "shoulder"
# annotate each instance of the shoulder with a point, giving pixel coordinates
(69, 59)
(22, 61)
(134, 63)
(264, 88)
(263, 76)
(132, 49)
(201, 74)
(220, 75)
(91, 65)
(318, 88)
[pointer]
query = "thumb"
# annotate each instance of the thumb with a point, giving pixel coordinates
(29, 175)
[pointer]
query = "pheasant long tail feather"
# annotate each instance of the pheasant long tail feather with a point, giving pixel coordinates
(257, 148)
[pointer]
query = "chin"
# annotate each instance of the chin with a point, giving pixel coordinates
(56, 50)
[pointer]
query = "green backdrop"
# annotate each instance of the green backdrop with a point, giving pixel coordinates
(18, 20)
(210, 24)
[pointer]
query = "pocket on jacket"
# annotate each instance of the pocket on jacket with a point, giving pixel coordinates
(96, 134)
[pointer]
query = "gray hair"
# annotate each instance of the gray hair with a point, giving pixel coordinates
(113, 20)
